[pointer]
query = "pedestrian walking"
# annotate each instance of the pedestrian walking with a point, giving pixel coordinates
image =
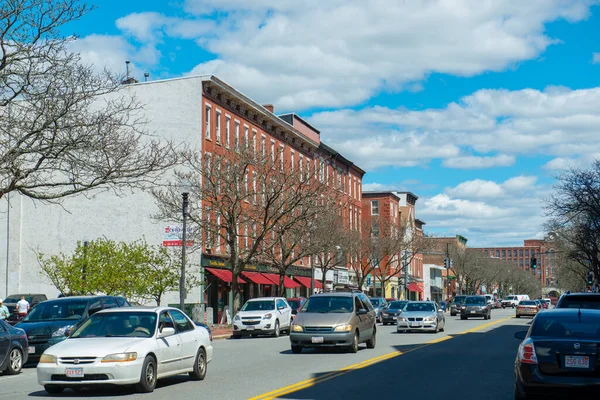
(4, 313)
(22, 307)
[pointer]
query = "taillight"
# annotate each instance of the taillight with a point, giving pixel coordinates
(527, 352)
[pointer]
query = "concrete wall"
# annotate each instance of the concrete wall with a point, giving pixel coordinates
(173, 110)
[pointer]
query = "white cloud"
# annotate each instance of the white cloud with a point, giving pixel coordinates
(479, 188)
(104, 51)
(556, 122)
(473, 162)
(275, 51)
(595, 58)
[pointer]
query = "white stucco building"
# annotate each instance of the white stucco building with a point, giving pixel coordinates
(173, 110)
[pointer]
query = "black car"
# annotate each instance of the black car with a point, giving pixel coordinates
(475, 306)
(11, 303)
(13, 349)
(579, 300)
(559, 355)
(456, 305)
(50, 322)
(389, 315)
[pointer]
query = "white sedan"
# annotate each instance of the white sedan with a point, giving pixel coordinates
(124, 346)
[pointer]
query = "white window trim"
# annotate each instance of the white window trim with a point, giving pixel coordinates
(218, 126)
(207, 121)
(373, 208)
(227, 130)
(247, 135)
(237, 134)
(263, 144)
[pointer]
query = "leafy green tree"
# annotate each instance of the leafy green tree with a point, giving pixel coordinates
(134, 270)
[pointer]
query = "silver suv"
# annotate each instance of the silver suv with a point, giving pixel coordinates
(341, 319)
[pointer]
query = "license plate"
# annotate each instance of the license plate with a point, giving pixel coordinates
(31, 349)
(577, 361)
(394, 318)
(415, 324)
(473, 312)
(250, 328)
(317, 339)
(74, 372)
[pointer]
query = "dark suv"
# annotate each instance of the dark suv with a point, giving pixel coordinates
(342, 319)
(579, 300)
(456, 304)
(51, 320)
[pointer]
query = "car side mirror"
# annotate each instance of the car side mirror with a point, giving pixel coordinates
(521, 335)
(361, 311)
(166, 332)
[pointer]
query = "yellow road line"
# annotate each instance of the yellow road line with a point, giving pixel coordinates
(330, 375)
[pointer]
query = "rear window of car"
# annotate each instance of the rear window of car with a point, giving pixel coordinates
(566, 328)
(527, 303)
(580, 301)
(397, 304)
(475, 300)
(459, 299)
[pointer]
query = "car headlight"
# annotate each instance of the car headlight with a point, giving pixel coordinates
(384, 313)
(429, 319)
(483, 307)
(120, 357)
(61, 331)
(463, 308)
(267, 316)
(402, 319)
(236, 318)
(343, 328)
(297, 328)
(47, 358)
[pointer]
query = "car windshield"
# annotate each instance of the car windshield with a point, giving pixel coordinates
(509, 298)
(56, 310)
(295, 304)
(588, 328)
(13, 299)
(375, 302)
(397, 304)
(423, 307)
(581, 301)
(528, 303)
(328, 304)
(122, 324)
(259, 305)
(459, 299)
(476, 301)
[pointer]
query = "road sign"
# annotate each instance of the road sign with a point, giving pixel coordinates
(368, 280)
(173, 236)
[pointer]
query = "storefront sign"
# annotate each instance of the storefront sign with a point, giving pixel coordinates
(343, 277)
(215, 261)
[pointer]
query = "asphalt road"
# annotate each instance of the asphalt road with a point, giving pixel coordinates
(471, 360)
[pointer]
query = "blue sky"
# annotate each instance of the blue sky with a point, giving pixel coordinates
(475, 106)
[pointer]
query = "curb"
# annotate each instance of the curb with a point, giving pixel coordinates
(221, 337)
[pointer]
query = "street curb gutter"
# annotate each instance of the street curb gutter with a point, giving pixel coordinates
(313, 381)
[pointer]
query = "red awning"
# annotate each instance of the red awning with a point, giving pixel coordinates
(305, 281)
(257, 277)
(274, 278)
(413, 287)
(223, 274)
(289, 283)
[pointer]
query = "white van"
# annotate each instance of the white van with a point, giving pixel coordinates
(513, 300)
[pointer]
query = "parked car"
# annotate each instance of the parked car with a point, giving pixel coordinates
(50, 322)
(127, 346)
(527, 308)
(296, 303)
(456, 305)
(579, 300)
(497, 303)
(339, 319)
(263, 316)
(379, 303)
(13, 349)
(421, 316)
(547, 302)
(489, 299)
(475, 306)
(203, 325)
(11, 303)
(558, 355)
(390, 314)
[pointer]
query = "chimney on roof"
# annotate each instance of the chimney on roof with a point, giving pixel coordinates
(269, 107)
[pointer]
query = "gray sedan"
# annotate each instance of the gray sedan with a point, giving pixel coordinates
(421, 316)
(13, 349)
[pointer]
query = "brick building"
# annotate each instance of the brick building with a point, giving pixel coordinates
(434, 262)
(521, 256)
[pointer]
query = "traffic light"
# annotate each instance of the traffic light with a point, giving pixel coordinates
(533, 263)
(590, 278)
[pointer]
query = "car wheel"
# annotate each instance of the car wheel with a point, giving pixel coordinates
(147, 382)
(296, 349)
(452, 314)
(354, 346)
(443, 326)
(517, 316)
(463, 317)
(236, 336)
(276, 332)
(199, 372)
(15, 362)
(519, 395)
(52, 389)
(490, 315)
(373, 341)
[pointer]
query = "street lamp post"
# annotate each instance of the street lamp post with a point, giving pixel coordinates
(184, 189)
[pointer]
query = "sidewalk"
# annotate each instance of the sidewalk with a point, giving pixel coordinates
(221, 331)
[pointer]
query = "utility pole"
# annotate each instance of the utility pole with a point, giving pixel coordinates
(405, 275)
(448, 264)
